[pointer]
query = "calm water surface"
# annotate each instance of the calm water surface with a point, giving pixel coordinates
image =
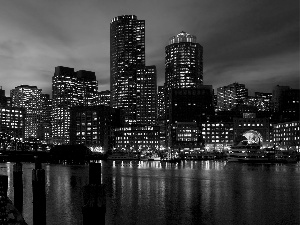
(203, 192)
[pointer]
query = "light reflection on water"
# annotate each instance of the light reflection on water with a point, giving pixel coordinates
(193, 192)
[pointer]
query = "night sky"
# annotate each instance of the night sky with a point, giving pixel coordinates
(254, 42)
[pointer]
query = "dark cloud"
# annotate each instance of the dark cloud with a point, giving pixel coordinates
(252, 42)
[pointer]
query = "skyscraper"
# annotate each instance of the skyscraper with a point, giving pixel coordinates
(69, 89)
(183, 70)
(146, 96)
(29, 98)
(127, 54)
(183, 62)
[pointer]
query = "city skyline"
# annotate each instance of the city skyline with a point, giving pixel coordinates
(254, 43)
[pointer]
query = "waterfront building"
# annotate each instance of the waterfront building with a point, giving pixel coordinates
(127, 55)
(137, 138)
(287, 135)
(189, 106)
(12, 125)
(146, 107)
(93, 126)
(217, 135)
(69, 89)
(256, 130)
(30, 98)
(230, 96)
(186, 136)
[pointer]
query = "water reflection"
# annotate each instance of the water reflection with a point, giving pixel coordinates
(193, 192)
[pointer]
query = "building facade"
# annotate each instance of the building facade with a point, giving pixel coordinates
(183, 62)
(230, 96)
(127, 55)
(137, 138)
(12, 126)
(93, 126)
(287, 135)
(146, 95)
(30, 98)
(69, 89)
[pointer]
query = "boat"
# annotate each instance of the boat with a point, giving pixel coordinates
(151, 158)
(171, 159)
(122, 156)
(245, 152)
(281, 156)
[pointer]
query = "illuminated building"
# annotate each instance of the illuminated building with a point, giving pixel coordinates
(93, 126)
(217, 135)
(69, 89)
(161, 115)
(183, 62)
(258, 130)
(45, 131)
(12, 122)
(86, 88)
(146, 107)
(287, 135)
(127, 55)
(137, 138)
(230, 96)
(103, 98)
(29, 98)
(161, 102)
(183, 70)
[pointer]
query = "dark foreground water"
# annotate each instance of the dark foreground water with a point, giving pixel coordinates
(203, 192)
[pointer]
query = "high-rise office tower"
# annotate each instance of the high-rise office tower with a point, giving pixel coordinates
(146, 96)
(127, 55)
(161, 102)
(69, 89)
(183, 70)
(87, 87)
(29, 98)
(183, 62)
(230, 96)
(63, 88)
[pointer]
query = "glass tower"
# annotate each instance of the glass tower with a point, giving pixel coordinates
(30, 98)
(70, 89)
(127, 55)
(183, 62)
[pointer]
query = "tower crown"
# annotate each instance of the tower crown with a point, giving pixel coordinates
(183, 37)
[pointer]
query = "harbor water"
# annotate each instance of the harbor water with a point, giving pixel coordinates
(192, 192)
